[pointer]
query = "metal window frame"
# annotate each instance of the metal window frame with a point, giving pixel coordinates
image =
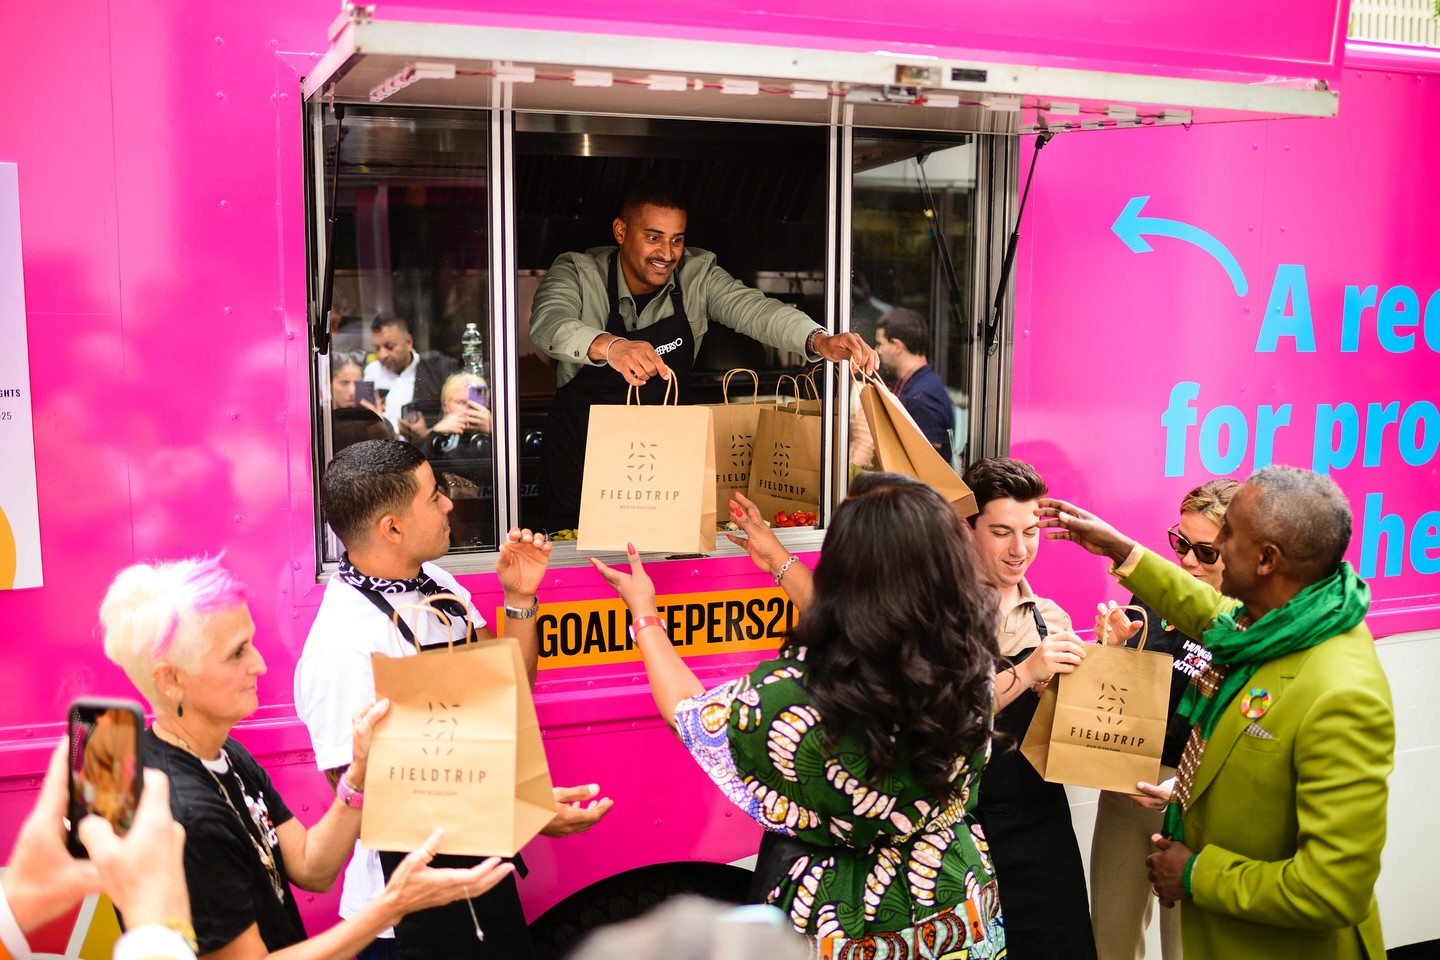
(989, 387)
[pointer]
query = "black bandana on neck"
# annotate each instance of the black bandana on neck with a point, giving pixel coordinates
(422, 584)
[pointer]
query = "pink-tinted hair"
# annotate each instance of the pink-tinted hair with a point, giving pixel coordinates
(142, 610)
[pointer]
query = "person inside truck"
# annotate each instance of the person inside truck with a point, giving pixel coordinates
(901, 338)
(404, 378)
(634, 315)
(182, 633)
(859, 748)
(459, 452)
(1027, 819)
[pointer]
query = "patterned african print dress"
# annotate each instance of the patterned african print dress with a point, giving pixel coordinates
(888, 873)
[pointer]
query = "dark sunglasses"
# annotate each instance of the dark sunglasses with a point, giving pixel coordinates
(1204, 552)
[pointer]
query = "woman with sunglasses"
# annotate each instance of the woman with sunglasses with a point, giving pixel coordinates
(1120, 897)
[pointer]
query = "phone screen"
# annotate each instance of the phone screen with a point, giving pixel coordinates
(106, 760)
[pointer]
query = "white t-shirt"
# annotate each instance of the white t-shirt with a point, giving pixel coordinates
(333, 682)
(401, 385)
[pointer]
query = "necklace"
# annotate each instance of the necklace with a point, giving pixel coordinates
(257, 838)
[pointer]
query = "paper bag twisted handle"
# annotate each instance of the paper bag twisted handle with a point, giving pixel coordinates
(725, 384)
(428, 605)
(796, 381)
(672, 394)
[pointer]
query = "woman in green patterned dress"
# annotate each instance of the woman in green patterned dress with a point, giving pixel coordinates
(861, 744)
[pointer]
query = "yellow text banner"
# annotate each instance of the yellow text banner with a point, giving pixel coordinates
(596, 632)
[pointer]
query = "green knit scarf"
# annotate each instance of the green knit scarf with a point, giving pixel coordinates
(1317, 613)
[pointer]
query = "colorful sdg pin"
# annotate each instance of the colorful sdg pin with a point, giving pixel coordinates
(1255, 703)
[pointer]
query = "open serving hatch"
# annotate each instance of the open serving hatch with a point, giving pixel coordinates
(476, 64)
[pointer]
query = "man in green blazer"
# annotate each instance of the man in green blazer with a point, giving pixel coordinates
(1277, 821)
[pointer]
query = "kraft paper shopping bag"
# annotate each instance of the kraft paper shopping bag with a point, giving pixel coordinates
(460, 749)
(807, 395)
(786, 471)
(900, 447)
(649, 479)
(734, 425)
(1103, 726)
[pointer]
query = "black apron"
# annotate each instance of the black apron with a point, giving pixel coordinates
(1043, 898)
(562, 454)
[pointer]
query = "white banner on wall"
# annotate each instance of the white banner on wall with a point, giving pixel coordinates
(19, 510)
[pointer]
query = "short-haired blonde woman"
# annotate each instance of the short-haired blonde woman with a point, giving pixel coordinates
(1121, 900)
(462, 417)
(182, 632)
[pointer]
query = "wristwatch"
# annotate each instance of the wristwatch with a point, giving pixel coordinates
(352, 798)
(810, 342)
(527, 613)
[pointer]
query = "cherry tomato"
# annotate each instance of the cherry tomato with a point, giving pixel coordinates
(782, 519)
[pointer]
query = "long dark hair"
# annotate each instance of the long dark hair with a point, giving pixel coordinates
(900, 632)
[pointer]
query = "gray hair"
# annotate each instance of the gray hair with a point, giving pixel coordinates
(1306, 515)
(693, 928)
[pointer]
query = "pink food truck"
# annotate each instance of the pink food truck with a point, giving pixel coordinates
(1224, 260)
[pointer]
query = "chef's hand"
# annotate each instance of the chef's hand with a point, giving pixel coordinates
(847, 346)
(635, 360)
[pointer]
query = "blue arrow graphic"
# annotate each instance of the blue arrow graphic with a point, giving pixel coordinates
(1131, 228)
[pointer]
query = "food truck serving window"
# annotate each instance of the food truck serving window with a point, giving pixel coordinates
(451, 165)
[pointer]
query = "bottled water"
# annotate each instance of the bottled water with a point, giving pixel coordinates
(472, 351)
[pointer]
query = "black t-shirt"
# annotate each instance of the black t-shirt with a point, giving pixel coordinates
(1191, 658)
(229, 887)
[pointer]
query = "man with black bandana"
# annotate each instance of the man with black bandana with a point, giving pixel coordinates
(383, 502)
(634, 315)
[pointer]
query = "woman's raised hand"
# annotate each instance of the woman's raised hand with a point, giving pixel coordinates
(1112, 627)
(764, 548)
(635, 588)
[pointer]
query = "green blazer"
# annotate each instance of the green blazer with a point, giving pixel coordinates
(1289, 826)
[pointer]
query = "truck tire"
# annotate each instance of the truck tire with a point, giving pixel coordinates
(628, 895)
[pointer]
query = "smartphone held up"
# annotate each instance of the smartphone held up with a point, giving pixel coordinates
(106, 763)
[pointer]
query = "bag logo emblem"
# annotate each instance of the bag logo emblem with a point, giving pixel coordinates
(1110, 706)
(781, 459)
(640, 464)
(441, 729)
